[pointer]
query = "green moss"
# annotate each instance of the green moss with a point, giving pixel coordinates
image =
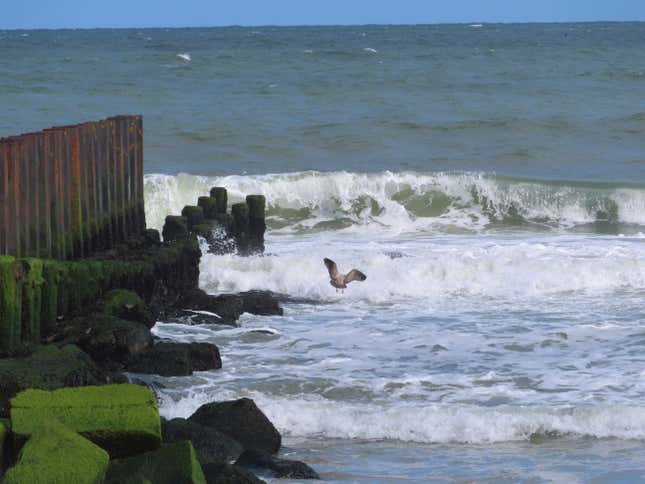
(127, 305)
(256, 204)
(31, 300)
(220, 194)
(194, 215)
(171, 464)
(122, 419)
(52, 276)
(55, 454)
(10, 303)
(209, 205)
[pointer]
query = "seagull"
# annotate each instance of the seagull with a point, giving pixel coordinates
(340, 281)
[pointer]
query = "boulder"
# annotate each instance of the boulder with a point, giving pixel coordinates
(281, 468)
(241, 420)
(225, 473)
(108, 339)
(176, 359)
(127, 305)
(48, 368)
(229, 307)
(210, 444)
(122, 419)
(55, 454)
(174, 463)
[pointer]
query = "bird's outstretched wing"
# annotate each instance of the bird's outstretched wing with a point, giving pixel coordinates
(331, 267)
(354, 275)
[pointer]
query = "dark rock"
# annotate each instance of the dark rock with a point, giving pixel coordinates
(171, 464)
(111, 340)
(211, 445)
(281, 468)
(128, 305)
(175, 228)
(241, 420)
(257, 224)
(204, 356)
(204, 230)
(194, 215)
(48, 368)
(224, 473)
(220, 194)
(231, 306)
(176, 359)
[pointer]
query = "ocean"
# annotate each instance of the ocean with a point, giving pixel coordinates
(489, 180)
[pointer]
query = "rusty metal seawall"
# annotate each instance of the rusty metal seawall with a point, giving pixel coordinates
(69, 191)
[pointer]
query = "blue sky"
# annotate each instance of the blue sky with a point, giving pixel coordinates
(172, 13)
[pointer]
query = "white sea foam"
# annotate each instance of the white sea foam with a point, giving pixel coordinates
(370, 50)
(185, 56)
(310, 417)
(434, 270)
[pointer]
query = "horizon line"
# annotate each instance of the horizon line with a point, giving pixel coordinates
(471, 22)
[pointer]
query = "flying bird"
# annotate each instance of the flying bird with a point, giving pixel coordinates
(340, 281)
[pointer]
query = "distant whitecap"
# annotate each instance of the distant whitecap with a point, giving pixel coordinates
(369, 49)
(185, 56)
(476, 26)
(308, 51)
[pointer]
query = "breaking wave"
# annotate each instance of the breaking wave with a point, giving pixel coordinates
(409, 202)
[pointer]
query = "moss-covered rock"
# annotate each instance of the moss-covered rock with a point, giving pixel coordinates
(11, 276)
(175, 228)
(171, 464)
(122, 419)
(194, 215)
(209, 205)
(55, 454)
(221, 195)
(48, 368)
(127, 305)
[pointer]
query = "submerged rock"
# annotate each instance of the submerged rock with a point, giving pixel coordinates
(56, 454)
(241, 420)
(48, 368)
(211, 445)
(176, 359)
(122, 419)
(172, 464)
(281, 468)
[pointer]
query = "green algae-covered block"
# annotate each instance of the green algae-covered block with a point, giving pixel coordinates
(171, 464)
(127, 305)
(194, 215)
(122, 419)
(53, 272)
(11, 272)
(32, 299)
(257, 204)
(55, 454)
(220, 194)
(209, 205)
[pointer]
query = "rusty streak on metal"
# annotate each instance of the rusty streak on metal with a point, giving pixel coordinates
(69, 191)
